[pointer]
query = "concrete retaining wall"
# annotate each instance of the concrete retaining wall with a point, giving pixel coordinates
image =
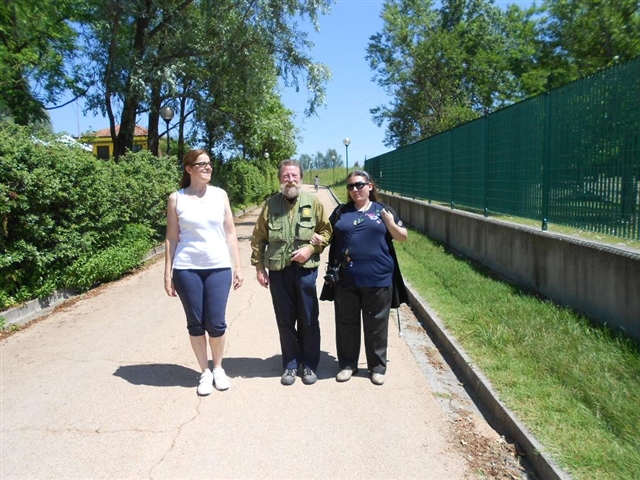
(599, 281)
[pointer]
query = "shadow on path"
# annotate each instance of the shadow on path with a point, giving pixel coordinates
(158, 375)
(168, 375)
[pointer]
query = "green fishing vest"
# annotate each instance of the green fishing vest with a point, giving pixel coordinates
(289, 230)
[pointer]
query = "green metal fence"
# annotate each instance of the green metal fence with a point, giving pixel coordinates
(570, 156)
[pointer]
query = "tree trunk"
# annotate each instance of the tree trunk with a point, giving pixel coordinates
(154, 118)
(183, 106)
(132, 101)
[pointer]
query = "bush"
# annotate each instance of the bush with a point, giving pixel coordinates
(111, 263)
(69, 220)
(60, 205)
(248, 183)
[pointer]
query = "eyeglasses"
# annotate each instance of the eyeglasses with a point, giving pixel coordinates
(357, 185)
(202, 164)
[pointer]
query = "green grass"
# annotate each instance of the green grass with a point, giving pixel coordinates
(576, 386)
(586, 235)
(328, 177)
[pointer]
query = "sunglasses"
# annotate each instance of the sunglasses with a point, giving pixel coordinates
(357, 185)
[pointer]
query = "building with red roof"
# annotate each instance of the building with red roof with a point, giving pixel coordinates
(103, 146)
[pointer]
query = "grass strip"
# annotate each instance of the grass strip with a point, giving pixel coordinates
(575, 385)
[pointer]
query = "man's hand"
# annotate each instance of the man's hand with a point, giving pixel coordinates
(263, 277)
(302, 254)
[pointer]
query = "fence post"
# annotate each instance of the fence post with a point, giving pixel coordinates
(546, 161)
(428, 175)
(486, 165)
(451, 168)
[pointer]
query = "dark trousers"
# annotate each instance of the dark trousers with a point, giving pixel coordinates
(373, 305)
(295, 302)
(204, 295)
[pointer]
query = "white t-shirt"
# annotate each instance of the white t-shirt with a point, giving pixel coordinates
(202, 239)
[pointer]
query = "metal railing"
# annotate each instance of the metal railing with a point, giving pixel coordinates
(570, 156)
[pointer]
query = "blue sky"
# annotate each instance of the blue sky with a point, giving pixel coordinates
(341, 44)
(351, 94)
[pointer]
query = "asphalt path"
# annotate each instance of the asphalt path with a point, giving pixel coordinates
(105, 388)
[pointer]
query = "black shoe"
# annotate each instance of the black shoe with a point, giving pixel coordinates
(308, 376)
(288, 377)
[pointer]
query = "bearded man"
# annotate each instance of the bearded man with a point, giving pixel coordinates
(288, 238)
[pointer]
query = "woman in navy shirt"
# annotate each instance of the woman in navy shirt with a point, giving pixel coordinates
(362, 245)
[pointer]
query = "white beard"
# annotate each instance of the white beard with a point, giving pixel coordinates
(290, 191)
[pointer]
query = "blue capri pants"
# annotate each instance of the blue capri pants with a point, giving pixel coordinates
(204, 295)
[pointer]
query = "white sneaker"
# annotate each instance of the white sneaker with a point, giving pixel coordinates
(205, 387)
(220, 379)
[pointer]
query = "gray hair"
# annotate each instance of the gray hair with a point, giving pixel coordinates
(290, 163)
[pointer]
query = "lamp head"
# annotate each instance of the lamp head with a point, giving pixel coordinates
(166, 113)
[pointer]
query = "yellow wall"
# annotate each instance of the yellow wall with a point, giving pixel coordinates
(138, 141)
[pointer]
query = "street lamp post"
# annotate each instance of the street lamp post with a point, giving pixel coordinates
(346, 142)
(333, 166)
(166, 113)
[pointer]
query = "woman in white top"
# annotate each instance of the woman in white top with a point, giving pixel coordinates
(201, 239)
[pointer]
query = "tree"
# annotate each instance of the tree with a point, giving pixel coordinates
(326, 160)
(321, 160)
(582, 36)
(444, 66)
(144, 53)
(37, 46)
(306, 161)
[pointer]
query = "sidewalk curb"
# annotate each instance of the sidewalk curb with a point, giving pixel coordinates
(504, 422)
(502, 419)
(33, 309)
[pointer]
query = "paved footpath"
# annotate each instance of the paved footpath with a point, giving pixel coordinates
(105, 387)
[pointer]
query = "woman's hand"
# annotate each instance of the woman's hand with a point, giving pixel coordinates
(238, 278)
(387, 217)
(398, 232)
(169, 287)
(317, 239)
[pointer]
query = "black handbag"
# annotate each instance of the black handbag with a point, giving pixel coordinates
(327, 293)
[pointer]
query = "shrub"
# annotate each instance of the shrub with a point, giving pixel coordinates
(59, 205)
(247, 182)
(111, 263)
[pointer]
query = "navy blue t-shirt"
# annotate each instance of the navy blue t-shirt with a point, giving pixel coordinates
(359, 240)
